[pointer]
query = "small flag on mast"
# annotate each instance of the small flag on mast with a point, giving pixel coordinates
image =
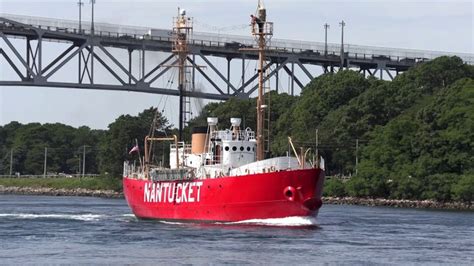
(134, 149)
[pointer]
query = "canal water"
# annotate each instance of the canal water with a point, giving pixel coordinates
(53, 230)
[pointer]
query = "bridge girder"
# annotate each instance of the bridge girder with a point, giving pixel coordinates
(91, 50)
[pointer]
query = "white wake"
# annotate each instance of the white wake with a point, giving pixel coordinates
(79, 217)
(287, 221)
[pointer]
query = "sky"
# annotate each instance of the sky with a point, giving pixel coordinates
(425, 25)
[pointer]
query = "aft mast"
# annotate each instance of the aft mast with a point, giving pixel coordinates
(263, 31)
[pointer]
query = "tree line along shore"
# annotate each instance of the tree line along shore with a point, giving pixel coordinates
(407, 139)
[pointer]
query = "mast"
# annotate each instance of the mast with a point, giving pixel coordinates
(182, 27)
(262, 30)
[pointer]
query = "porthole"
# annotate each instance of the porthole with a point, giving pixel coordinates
(226, 148)
(234, 148)
(248, 148)
(241, 148)
(253, 149)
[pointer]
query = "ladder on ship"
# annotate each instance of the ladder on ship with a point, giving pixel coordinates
(188, 87)
(267, 119)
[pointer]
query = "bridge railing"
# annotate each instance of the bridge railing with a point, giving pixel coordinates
(222, 40)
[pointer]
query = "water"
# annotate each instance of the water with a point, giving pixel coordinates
(51, 230)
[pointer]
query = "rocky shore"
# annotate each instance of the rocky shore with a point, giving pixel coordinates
(421, 204)
(60, 192)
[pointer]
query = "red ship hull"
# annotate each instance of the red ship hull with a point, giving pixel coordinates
(228, 199)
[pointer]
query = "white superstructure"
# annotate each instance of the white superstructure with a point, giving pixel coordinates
(216, 152)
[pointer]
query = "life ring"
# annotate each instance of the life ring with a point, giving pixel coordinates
(290, 193)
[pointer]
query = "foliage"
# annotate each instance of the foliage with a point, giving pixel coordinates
(334, 187)
(463, 190)
(62, 144)
(424, 151)
(123, 134)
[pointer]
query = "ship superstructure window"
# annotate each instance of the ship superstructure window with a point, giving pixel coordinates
(248, 148)
(241, 148)
(234, 148)
(226, 148)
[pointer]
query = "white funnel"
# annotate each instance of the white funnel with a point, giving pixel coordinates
(235, 122)
(212, 121)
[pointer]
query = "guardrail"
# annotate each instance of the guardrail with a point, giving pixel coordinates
(221, 40)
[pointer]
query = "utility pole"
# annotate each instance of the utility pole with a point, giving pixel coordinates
(326, 27)
(342, 24)
(357, 154)
(84, 161)
(45, 160)
(11, 161)
(92, 24)
(92, 45)
(80, 4)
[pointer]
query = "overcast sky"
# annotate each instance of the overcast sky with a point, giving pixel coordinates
(426, 25)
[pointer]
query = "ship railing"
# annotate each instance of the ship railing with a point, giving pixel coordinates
(172, 174)
(132, 170)
(182, 147)
(228, 134)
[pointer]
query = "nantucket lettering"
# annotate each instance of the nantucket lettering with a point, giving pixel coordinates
(172, 192)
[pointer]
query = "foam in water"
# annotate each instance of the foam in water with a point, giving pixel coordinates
(287, 221)
(79, 217)
(295, 221)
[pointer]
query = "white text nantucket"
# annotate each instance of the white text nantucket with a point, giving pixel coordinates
(172, 192)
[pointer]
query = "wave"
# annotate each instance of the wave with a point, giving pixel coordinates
(296, 221)
(293, 221)
(79, 217)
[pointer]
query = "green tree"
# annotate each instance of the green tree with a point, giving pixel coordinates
(334, 187)
(121, 136)
(463, 190)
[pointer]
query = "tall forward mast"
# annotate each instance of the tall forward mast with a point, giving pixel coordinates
(263, 31)
(182, 29)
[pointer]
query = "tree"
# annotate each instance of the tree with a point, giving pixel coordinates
(121, 136)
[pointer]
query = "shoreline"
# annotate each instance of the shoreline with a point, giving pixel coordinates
(45, 191)
(413, 204)
(395, 203)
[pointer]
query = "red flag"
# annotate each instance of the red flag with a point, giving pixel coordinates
(134, 149)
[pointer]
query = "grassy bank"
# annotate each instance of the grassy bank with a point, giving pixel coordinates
(92, 183)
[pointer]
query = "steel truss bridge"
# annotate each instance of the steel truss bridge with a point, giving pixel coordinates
(26, 40)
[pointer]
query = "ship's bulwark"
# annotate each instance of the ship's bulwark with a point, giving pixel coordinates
(259, 196)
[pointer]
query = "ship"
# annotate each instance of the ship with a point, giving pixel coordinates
(223, 175)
